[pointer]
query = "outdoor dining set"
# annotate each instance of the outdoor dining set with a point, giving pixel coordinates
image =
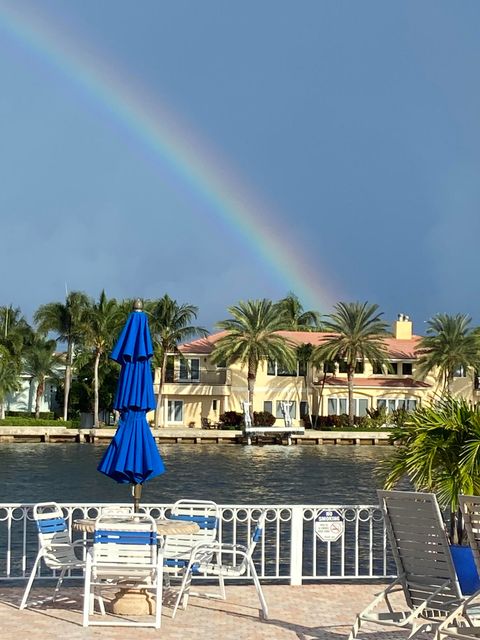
(130, 557)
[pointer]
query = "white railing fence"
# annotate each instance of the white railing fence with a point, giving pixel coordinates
(290, 550)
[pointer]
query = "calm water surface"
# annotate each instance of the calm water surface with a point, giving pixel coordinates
(270, 474)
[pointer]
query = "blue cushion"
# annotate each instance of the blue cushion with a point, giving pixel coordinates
(51, 525)
(104, 536)
(204, 522)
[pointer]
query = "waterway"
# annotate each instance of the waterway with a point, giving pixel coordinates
(270, 474)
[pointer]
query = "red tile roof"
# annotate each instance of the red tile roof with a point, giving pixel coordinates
(397, 349)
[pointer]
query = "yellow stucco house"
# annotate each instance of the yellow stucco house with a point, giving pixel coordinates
(195, 388)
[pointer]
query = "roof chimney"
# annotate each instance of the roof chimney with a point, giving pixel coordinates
(402, 327)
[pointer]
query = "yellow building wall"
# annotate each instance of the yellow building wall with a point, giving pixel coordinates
(198, 399)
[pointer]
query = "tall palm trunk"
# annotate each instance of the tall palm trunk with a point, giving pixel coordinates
(38, 395)
(96, 421)
(307, 396)
(2, 410)
(319, 398)
(68, 379)
(447, 387)
(158, 408)
(251, 377)
(350, 397)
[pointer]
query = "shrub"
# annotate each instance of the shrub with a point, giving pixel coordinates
(263, 419)
(32, 422)
(44, 415)
(231, 419)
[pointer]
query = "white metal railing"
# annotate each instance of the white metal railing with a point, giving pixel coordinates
(290, 549)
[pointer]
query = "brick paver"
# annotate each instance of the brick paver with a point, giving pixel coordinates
(323, 611)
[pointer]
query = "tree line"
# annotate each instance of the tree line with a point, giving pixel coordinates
(89, 327)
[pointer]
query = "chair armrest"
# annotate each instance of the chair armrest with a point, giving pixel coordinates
(218, 547)
(81, 543)
(59, 545)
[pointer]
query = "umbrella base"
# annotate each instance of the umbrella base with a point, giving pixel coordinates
(133, 602)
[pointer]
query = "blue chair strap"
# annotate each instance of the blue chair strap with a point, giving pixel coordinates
(257, 534)
(104, 536)
(51, 525)
(204, 522)
(175, 562)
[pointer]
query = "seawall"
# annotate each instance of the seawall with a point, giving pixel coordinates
(192, 436)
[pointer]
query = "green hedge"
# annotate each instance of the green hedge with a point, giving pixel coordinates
(32, 422)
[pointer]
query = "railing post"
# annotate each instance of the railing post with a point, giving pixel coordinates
(296, 546)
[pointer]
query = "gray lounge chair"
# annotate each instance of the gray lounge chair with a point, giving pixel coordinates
(427, 581)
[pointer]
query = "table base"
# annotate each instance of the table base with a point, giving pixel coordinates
(133, 602)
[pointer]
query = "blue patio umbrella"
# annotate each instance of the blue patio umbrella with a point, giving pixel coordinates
(132, 456)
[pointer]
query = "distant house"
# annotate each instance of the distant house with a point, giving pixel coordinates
(195, 388)
(23, 401)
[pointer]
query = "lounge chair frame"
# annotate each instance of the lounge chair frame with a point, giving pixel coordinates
(426, 574)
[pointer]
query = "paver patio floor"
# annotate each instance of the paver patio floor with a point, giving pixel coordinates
(324, 611)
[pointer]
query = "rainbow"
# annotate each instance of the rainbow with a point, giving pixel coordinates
(174, 149)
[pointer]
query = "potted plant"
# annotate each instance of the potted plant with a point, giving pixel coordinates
(436, 452)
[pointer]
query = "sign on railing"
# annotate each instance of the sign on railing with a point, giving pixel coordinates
(329, 525)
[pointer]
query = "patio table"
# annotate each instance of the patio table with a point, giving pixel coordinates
(165, 527)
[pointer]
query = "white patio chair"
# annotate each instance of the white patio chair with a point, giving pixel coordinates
(201, 564)
(125, 553)
(177, 549)
(56, 548)
(464, 622)
(287, 418)
(425, 570)
(247, 418)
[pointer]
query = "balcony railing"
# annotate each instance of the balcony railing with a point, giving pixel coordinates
(290, 550)
(207, 377)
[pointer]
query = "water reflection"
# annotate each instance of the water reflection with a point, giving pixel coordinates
(270, 474)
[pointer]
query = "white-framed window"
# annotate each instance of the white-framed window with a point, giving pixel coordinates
(175, 410)
(407, 368)
(268, 406)
(338, 406)
(359, 367)
(392, 404)
(276, 369)
(189, 370)
(279, 412)
(460, 372)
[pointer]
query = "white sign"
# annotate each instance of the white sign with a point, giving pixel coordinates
(329, 525)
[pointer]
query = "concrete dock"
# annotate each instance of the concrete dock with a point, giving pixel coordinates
(189, 436)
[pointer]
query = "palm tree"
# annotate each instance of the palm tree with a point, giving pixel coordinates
(295, 318)
(356, 334)
(64, 319)
(170, 324)
(41, 362)
(252, 337)
(437, 451)
(15, 332)
(305, 353)
(101, 323)
(448, 345)
(9, 377)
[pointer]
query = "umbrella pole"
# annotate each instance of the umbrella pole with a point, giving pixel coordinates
(137, 494)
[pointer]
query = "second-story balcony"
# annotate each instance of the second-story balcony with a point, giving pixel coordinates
(211, 378)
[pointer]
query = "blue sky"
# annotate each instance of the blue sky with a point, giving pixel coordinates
(356, 122)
